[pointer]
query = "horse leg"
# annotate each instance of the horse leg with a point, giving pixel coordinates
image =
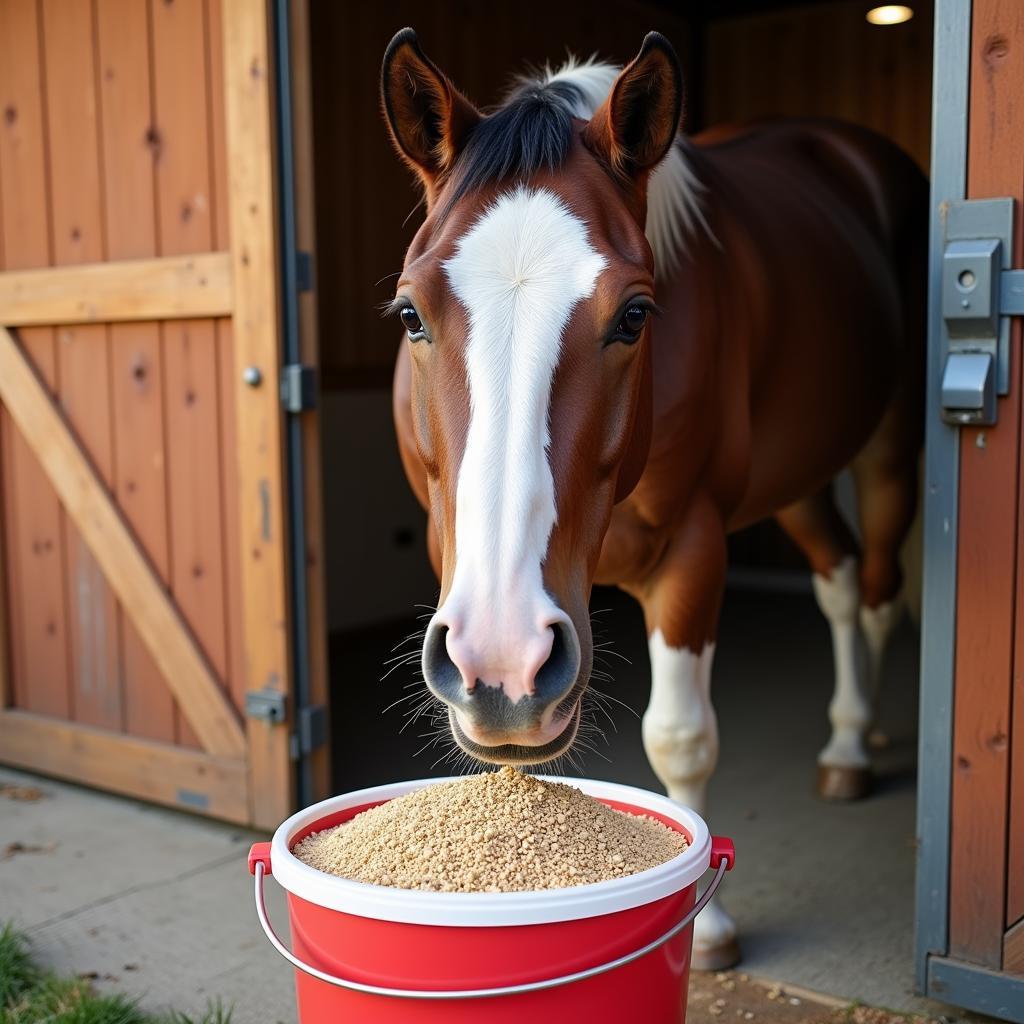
(817, 528)
(885, 474)
(681, 603)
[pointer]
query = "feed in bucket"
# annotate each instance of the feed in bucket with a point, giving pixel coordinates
(606, 951)
(502, 831)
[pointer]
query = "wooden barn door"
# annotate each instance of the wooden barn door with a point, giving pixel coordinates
(971, 782)
(143, 562)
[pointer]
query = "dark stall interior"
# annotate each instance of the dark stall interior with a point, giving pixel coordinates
(773, 672)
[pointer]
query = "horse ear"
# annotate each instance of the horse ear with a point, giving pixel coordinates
(635, 126)
(428, 117)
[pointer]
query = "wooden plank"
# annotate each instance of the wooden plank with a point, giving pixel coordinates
(1013, 949)
(194, 285)
(125, 764)
(218, 130)
(94, 626)
(237, 679)
(305, 217)
(237, 682)
(39, 645)
(184, 189)
(131, 146)
(193, 480)
(138, 405)
(6, 632)
(123, 564)
(986, 558)
(262, 527)
(83, 357)
(185, 201)
(1015, 851)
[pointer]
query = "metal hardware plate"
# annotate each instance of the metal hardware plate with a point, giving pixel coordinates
(268, 704)
(298, 387)
(979, 242)
(312, 728)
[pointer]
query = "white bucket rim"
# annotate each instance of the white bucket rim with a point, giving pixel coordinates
(456, 909)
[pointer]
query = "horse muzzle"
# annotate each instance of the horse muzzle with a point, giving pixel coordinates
(520, 707)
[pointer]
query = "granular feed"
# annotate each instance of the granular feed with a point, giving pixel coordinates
(501, 831)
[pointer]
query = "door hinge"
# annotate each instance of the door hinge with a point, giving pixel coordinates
(303, 271)
(311, 730)
(979, 293)
(267, 704)
(298, 387)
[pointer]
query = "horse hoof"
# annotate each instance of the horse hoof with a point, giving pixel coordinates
(716, 958)
(839, 783)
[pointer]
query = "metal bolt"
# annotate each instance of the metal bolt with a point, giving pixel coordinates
(252, 376)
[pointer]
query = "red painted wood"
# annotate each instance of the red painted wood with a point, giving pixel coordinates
(987, 562)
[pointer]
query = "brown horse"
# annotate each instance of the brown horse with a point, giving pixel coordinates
(623, 344)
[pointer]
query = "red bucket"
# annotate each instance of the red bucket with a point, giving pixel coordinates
(603, 953)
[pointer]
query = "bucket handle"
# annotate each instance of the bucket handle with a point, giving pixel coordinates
(722, 858)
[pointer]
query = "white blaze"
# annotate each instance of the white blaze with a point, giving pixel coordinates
(519, 272)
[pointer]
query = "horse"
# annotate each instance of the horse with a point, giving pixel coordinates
(621, 344)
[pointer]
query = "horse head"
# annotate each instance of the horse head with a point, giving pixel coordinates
(526, 296)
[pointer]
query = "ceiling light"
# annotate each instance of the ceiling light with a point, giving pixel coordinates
(890, 14)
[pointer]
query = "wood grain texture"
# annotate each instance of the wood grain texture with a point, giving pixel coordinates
(123, 564)
(1013, 949)
(193, 481)
(196, 285)
(824, 60)
(125, 764)
(262, 528)
(32, 516)
(130, 148)
(186, 222)
(986, 557)
(83, 356)
(236, 671)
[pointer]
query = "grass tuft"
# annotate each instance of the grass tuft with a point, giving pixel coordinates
(29, 995)
(17, 973)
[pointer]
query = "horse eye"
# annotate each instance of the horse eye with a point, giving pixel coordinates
(631, 324)
(411, 320)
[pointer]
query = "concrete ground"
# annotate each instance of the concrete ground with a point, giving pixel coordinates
(143, 900)
(159, 904)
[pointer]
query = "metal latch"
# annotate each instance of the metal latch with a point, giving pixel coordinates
(978, 291)
(268, 704)
(969, 388)
(298, 387)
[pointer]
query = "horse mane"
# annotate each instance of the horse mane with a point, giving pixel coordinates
(532, 131)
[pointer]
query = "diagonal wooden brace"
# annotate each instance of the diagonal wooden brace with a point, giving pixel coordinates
(141, 591)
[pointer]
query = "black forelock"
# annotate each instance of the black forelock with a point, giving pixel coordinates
(530, 132)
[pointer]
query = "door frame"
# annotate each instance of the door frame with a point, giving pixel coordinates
(943, 955)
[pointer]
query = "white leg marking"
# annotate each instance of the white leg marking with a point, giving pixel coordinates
(679, 727)
(680, 733)
(850, 711)
(877, 625)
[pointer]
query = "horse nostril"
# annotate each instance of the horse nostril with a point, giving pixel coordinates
(440, 672)
(556, 676)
